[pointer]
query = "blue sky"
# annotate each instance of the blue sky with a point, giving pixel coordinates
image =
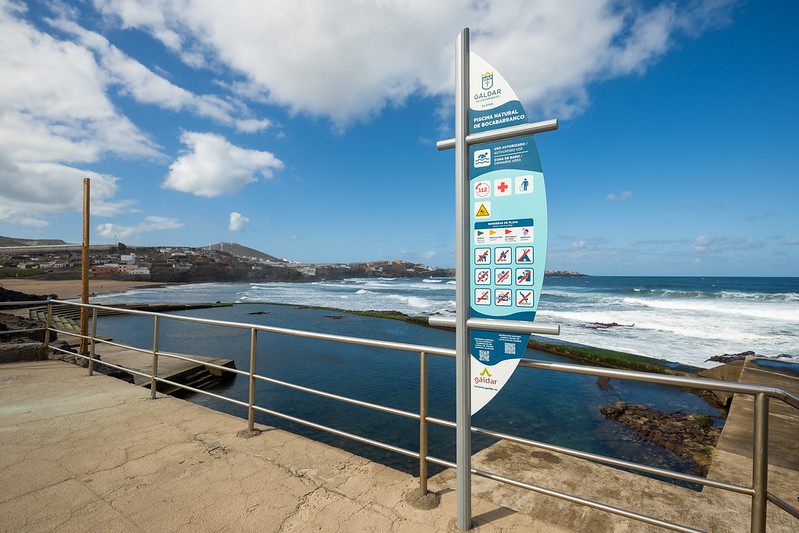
(307, 129)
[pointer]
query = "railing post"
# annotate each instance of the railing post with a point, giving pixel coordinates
(47, 324)
(153, 381)
(423, 424)
(760, 463)
(251, 402)
(94, 333)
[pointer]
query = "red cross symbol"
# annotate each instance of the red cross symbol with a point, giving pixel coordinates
(502, 187)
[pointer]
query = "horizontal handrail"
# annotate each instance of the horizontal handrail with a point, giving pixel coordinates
(663, 379)
(400, 346)
(20, 331)
(338, 432)
(761, 393)
(785, 506)
(633, 375)
(25, 302)
(361, 403)
(494, 324)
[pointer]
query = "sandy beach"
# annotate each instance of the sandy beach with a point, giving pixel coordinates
(71, 288)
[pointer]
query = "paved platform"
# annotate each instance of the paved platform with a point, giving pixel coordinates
(80, 453)
(708, 510)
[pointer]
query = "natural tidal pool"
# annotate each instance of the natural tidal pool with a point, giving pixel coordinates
(553, 407)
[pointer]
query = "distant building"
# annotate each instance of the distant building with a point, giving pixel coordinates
(110, 268)
(129, 259)
(128, 269)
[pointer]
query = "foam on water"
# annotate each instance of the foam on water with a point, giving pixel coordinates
(686, 320)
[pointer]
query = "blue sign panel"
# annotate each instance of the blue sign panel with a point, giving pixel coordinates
(508, 225)
(509, 229)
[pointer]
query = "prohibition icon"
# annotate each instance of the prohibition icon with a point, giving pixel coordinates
(524, 276)
(502, 297)
(503, 276)
(482, 297)
(524, 254)
(502, 256)
(524, 298)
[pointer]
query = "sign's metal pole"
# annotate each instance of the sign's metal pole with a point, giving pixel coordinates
(463, 415)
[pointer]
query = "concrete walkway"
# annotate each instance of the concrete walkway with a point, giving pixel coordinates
(80, 453)
(708, 510)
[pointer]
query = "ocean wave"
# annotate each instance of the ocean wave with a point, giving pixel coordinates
(670, 322)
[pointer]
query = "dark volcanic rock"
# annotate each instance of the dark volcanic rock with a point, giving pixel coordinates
(688, 435)
(15, 323)
(604, 383)
(7, 295)
(730, 357)
(606, 325)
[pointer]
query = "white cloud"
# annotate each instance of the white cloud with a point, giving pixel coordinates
(430, 254)
(348, 59)
(711, 244)
(237, 221)
(626, 195)
(145, 86)
(253, 125)
(214, 167)
(150, 223)
(32, 191)
(55, 115)
(53, 105)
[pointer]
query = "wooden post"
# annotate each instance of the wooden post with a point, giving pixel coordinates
(84, 272)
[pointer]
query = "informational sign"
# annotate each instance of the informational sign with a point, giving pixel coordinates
(508, 227)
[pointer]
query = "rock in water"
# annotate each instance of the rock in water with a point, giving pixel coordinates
(689, 435)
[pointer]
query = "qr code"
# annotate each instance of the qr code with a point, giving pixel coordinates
(510, 348)
(484, 355)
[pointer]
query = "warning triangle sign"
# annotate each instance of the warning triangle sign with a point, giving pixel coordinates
(482, 212)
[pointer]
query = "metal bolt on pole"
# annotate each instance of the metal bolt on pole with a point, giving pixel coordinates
(94, 334)
(253, 352)
(153, 381)
(423, 424)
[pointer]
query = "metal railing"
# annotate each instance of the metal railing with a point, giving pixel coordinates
(758, 491)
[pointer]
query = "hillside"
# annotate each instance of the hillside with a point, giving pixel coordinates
(238, 250)
(11, 241)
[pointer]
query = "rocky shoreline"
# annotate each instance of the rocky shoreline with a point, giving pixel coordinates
(690, 435)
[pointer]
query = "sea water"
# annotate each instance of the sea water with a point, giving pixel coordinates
(557, 408)
(681, 319)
